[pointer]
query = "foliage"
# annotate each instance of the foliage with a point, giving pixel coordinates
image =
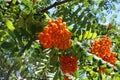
(23, 57)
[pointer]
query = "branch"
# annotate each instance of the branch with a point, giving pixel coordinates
(54, 5)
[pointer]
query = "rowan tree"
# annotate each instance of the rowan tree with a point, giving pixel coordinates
(59, 40)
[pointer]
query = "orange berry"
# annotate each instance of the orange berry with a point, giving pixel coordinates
(56, 34)
(101, 48)
(46, 29)
(68, 64)
(59, 20)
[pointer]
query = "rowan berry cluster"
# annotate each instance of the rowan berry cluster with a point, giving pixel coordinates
(68, 64)
(101, 48)
(56, 34)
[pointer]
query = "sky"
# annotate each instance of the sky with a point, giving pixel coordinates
(115, 12)
(109, 16)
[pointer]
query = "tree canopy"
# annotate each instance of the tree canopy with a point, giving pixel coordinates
(59, 40)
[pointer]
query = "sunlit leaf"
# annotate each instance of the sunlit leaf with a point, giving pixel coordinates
(94, 35)
(89, 34)
(109, 70)
(10, 25)
(47, 16)
(86, 34)
(80, 37)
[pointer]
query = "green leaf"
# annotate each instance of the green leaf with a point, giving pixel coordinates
(56, 76)
(115, 15)
(113, 7)
(18, 61)
(10, 26)
(90, 57)
(103, 19)
(86, 3)
(89, 34)
(94, 35)
(76, 74)
(47, 16)
(80, 37)
(1, 30)
(14, 1)
(109, 70)
(86, 34)
(103, 65)
(118, 66)
(7, 45)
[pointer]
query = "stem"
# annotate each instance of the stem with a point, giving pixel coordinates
(54, 5)
(22, 51)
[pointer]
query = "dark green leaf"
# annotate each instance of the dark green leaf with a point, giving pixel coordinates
(7, 45)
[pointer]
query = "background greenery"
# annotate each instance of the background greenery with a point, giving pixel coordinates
(23, 57)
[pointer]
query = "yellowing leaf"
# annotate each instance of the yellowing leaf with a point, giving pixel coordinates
(10, 26)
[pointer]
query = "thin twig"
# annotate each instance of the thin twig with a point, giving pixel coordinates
(54, 5)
